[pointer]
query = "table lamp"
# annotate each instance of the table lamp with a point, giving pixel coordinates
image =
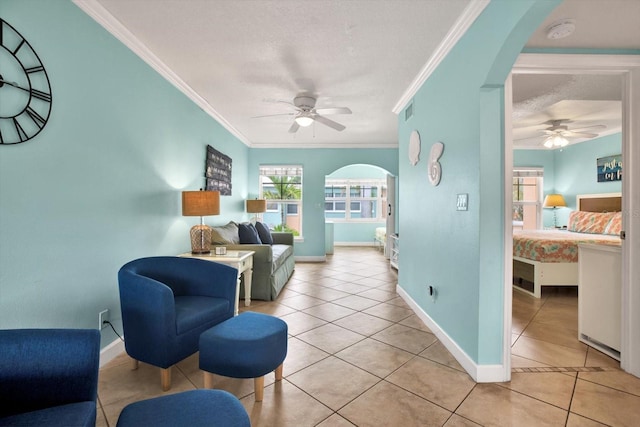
(554, 201)
(200, 203)
(256, 206)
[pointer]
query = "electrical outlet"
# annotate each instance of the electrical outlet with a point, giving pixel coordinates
(103, 317)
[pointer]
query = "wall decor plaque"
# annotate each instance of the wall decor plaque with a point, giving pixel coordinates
(218, 171)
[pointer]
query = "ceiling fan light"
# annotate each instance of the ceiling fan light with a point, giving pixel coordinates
(304, 121)
(548, 142)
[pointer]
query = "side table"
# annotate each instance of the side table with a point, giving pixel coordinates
(240, 260)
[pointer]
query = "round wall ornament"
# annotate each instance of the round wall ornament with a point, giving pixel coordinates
(414, 148)
(435, 170)
(24, 88)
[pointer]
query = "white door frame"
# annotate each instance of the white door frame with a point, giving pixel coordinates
(391, 214)
(628, 68)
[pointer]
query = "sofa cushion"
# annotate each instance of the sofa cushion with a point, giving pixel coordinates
(248, 234)
(264, 233)
(225, 234)
(71, 414)
(280, 255)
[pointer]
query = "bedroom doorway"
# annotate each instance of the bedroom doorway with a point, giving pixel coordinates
(628, 71)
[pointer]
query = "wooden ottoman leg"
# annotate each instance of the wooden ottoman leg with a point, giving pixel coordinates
(165, 378)
(279, 372)
(258, 384)
(208, 379)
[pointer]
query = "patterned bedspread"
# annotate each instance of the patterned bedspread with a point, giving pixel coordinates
(555, 245)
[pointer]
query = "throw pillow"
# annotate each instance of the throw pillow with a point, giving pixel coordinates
(225, 234)
(264, 233)
(248, 234)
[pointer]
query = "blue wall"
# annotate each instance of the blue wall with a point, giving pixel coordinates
(317, 164)
(100, 185)
(572, 170)
(461, 252)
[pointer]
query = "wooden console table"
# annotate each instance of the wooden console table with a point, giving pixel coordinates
(240, 260)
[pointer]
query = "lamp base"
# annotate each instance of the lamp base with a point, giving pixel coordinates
(200, 239)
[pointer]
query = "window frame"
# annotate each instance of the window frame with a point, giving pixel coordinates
(283, 170)
(377, 186)
(538, 174)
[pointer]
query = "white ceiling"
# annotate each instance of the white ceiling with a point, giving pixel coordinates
(585, 100)
(237, 57)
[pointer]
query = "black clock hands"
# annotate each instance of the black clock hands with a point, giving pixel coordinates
(14, 84)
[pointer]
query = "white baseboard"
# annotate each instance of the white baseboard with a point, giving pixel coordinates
(311, 258)
(479, 373)
(111, 351)
(354, 244)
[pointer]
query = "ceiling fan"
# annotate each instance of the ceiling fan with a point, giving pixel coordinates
(558, 132)
(306, 113)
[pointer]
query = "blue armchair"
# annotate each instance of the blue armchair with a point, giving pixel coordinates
(167, 302)
(49, 377)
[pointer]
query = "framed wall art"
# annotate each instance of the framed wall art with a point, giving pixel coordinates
(218, 171)
(609, 168)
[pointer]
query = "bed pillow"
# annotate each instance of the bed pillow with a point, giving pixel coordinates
(264, 233)
(225, 234)
(248, 234)
(615, 225)
(589, 222)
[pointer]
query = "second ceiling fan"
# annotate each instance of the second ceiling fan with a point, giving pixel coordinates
(306, 113)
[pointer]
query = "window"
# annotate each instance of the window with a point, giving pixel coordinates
(282, 187)
(527, 198)
(365, 199)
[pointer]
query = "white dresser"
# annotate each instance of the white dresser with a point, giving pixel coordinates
(599, 297)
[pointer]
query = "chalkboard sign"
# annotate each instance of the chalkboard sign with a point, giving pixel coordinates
(218, 172)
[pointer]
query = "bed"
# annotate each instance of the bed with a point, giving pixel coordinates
(550, 257)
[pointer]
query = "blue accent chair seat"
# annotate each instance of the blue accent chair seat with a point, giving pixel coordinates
(194, 408)
(49, 377)
(167, 302)
(249, 345)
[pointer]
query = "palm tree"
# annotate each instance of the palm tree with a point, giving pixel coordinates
(285, 188)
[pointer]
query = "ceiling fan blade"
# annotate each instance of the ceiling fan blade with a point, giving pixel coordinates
(572, 134)
(273, 115)
(587, 127)
(334, 125)
(335, 110)
(294, 127)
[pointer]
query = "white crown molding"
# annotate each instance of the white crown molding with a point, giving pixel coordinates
(468, 16)
(334, 145)
(102, 16)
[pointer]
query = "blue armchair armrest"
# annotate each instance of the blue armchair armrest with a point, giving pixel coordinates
(53, 371)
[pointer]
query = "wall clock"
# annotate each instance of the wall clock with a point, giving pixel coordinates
(24, 88)
(414, 148)
(435, 170)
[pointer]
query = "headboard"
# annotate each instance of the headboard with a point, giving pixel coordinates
(610, 202)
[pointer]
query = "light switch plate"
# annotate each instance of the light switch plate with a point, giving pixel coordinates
(461, 205)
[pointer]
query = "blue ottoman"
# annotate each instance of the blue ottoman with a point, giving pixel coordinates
(249, 345)
(195, 408)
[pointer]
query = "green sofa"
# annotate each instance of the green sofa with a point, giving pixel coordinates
(273, 265)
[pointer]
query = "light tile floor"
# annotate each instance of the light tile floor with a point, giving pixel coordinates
(359, 356)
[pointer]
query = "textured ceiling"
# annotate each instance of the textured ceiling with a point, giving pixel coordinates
(239, 57)
(587, 100)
